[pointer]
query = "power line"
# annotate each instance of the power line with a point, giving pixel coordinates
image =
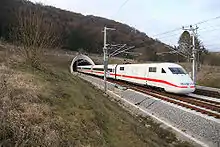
(212, 30)
(179, 28)
(209, 26)
(168, 36)
(211, 38)
(123, 4)
(174, 30)
(177, 35)
(204, 21)
(208, 45)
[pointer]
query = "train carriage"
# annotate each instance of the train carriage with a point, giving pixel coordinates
(168, 76)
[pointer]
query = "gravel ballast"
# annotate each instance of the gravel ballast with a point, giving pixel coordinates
(205, 129)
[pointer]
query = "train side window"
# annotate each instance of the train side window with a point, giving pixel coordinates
(98, 69)
(110, 69)
(122, 68)
(152, 69)
(163, 71)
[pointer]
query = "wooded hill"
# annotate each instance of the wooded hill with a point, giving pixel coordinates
(77, 31)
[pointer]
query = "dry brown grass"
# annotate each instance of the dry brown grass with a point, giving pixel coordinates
(53, 108)
(207, 76)
(25, 119)
(21, 80)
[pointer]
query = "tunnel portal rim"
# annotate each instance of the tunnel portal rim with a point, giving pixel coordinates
(80, 57)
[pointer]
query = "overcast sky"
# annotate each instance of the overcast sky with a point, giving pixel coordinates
(154, 17)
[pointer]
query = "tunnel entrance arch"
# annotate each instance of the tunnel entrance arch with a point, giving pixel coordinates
(80, 60)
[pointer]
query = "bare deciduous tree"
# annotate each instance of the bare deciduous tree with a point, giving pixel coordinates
(34, 33)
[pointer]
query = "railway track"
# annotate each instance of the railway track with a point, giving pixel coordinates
(204, 106)
(208, 107)
(207, 93)
(208, 104)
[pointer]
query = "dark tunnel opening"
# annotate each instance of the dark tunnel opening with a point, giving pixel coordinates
(80, 63)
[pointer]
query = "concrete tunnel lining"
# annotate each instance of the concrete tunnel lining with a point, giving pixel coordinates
(77, 58)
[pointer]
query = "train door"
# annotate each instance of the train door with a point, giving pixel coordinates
(162, 73)
(152, 76)
(147, 75)
(120, 72)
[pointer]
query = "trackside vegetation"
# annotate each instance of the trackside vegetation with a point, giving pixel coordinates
(51, 107)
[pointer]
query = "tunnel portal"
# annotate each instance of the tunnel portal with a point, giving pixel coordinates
(80, 60)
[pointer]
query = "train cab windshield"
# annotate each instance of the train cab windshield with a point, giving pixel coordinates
(177, 70)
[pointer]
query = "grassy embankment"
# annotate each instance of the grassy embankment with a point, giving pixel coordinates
(207, 76)
(51, 107)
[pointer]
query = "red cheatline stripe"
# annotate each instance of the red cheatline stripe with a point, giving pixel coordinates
(153, 80)
(141, 78)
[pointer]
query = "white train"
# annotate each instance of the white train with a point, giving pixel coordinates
(170, 77)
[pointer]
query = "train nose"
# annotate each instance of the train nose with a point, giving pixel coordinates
(181, 89)
(188, 89)
(184, 90)
(191, 89)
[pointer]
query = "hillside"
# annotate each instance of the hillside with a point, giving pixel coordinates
(51, 107)
(78, 31)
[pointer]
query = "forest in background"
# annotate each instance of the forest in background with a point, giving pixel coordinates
(78, 32)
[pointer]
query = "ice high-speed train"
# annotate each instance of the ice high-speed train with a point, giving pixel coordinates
(170, 77)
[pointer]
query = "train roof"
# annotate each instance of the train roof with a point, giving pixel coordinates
(135, 64)
(150, 63)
